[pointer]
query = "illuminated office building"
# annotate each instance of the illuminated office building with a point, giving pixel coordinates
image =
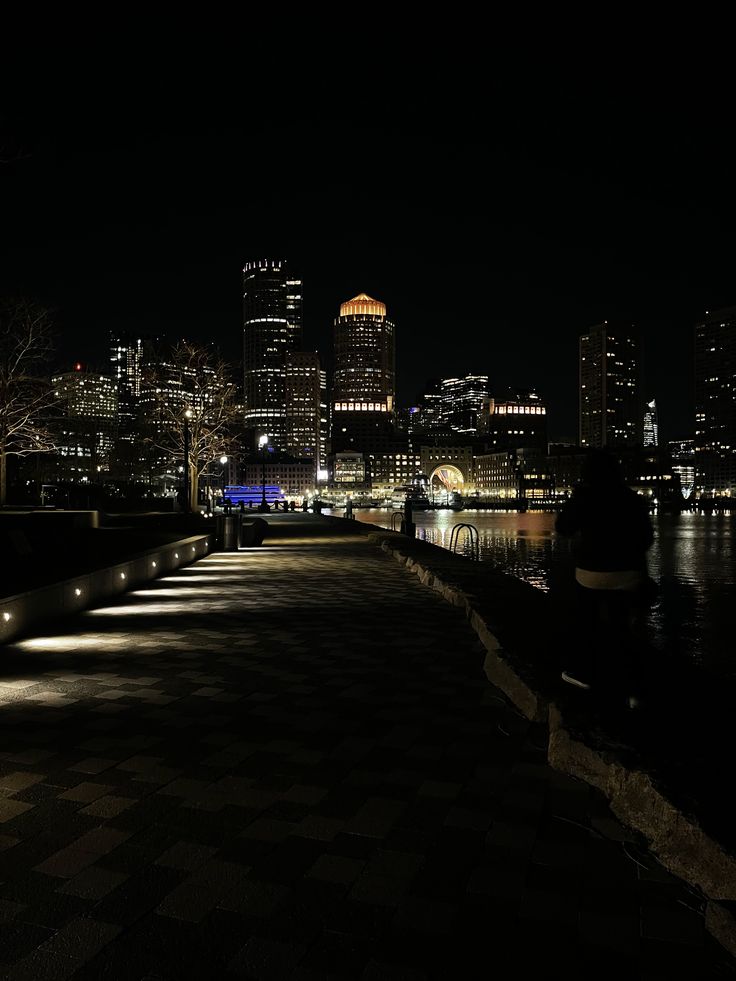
(88, 405)
(715, 404)
(682, 454)
(364, 383)
(427, 419)
(303, 389)
(609, 386)
(127, 355)
(272, 330)
(462, 401)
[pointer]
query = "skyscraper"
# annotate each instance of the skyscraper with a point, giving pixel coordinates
(126, 355)
(462, 401)
(272, 329)
(715, 404)
(651, 424)
(428, 420)
(364, 384)
(303, 407)
(609, 386)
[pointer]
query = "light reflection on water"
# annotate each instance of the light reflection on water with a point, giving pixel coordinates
(692, 558)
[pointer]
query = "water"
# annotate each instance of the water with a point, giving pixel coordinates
(692, 559)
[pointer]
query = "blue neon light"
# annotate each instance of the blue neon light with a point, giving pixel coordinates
(236, 493)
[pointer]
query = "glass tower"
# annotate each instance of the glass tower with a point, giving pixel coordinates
(303, 407)
(651, 425)
(609, 386)
(715, 404)
(462, 401)
(272, 330)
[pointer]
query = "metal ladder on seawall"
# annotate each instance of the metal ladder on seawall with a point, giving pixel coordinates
(471, 532)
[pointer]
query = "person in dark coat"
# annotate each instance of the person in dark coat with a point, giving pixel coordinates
(612, 531)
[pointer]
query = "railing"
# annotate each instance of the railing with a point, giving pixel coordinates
(471, 532)
(394, 516)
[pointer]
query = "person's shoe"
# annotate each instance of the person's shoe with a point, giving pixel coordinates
(572, 678)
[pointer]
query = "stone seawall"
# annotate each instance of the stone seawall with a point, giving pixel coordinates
(688, 824)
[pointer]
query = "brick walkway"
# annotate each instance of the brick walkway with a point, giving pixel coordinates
(287, 763)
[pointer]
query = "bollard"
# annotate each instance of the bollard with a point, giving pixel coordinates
(349, 509)
(407, 524)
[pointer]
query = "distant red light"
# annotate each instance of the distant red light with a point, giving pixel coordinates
(78, 366)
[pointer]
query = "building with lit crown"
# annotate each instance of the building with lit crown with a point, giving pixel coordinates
(364, 382)
(609, 365)
(272, 330)
(651, 424)
(715, 404)
(512, 422)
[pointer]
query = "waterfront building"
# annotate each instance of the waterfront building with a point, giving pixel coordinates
(609, 366)
(462, 402)
(448, 468)
(682, 455)
(272, 330)
(364, 383)
(390, 469)
(294, 478)
(518, 420)
(648, 470)
(715, 404)
(86, 427)
(565, 463)
(347, 468)
(522, 473)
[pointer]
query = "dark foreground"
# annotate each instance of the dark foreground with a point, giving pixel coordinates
(288, 763)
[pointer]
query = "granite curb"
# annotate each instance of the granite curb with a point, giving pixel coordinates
(674, 836)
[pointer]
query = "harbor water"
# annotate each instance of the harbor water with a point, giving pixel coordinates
(692, 559)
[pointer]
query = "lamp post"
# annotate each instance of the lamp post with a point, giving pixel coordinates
(187, 417)
(262, 443)
(223, 461)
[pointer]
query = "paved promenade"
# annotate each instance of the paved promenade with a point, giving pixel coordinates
(287, 763)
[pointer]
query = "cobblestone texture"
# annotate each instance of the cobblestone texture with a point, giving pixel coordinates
(287, 762)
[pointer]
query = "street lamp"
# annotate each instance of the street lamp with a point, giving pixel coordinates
(223, 461)
(187, 416)
(262, 443)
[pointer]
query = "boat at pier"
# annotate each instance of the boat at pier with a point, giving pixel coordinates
(410, 492)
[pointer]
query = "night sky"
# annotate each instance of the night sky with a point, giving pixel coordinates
(498, 209)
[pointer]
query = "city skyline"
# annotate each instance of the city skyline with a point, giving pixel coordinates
(497, 222)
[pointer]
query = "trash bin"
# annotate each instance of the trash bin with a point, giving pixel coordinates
(228, 532)
(253, 532)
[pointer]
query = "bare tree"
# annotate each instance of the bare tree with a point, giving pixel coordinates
(26, 394)
(189, 397)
